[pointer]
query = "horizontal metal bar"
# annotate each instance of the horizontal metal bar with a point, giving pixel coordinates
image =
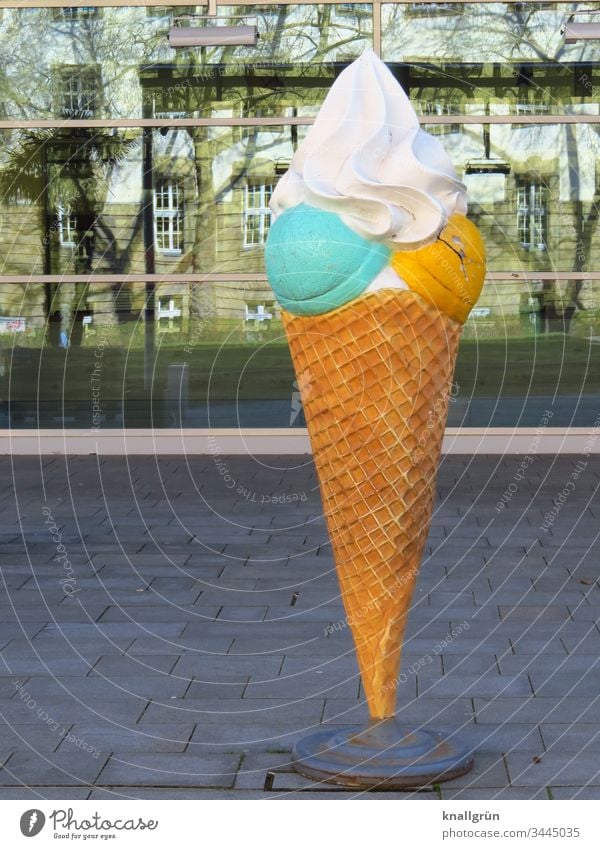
(262, 441)
(54, 4)
(259, 277)
(37, 4)
(131, 278)
(543, 275)
(242, 277)
(154, 122)
(173, 123)
(510, 119)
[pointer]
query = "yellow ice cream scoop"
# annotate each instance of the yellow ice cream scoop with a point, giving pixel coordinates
(449, 272)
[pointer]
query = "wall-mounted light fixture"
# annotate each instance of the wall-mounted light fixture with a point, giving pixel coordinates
(574, 31)
(212, 35)
(487, 166)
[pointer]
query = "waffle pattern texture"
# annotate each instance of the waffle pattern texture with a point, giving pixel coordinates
(375, 377)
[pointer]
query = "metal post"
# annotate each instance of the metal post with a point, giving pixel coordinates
(149, 259)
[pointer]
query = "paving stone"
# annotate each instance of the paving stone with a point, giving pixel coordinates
(171, 770)
(563, 769)
(64, 768)
(43, 613)
(19, 793)
(230, 613)
(231, 710)
(53, 646)
(535, 614)
(304, 685)
(248, 732)
(294, 630)
(571, 737)
(254, 767)
(538, 709)
(590, 792)
(144, 687)
(156, 645)
(227, 667)
(489, 771)
(505, 794)
(259, 646)
(332, 669)
(107, 739)
(233, 689)
(32, 738)
(586, 644)
(138, 664)
(456, 684)
(565, 683)
(530, 645)
(171, 794)
(502, 738)
(470, 664)
(66, 708)
(492, 644)
(111, 630)
(149, 614)
(545, 663)
(325, 614)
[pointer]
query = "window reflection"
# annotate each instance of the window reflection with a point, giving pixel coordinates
(491, 58)
(532, 210)
(73, 201)
(168, 216)
(78, 88)
(115, 62)
(74, 355)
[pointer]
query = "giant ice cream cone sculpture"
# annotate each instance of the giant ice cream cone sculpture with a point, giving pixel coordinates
(376, 268)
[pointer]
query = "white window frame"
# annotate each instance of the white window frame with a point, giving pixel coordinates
(254, 237)
(532, 215)
(169, 317)
(435, 109)
(77, 13)
(171, 214)
(78, 91)
(67, 227)
(533, 108)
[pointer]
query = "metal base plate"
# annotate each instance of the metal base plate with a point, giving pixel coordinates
(383, 755)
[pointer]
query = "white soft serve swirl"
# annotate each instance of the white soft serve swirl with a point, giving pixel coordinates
(366, 159)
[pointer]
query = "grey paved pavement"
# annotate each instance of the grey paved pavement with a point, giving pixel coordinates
(169, 626)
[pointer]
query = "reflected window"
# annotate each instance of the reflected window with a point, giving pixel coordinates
(531, 215)
(355, 9)
(78, 87)
(257, 215)
(434, 9)
(157, 12)
(533, 108)
(169, 313)
(77, 13)
(429, 107)
(168, 11)
(168, 217)
(67, 227)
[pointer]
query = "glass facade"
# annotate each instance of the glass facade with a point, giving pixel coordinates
(134, 189)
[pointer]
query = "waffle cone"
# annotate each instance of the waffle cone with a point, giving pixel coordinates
(375, 376)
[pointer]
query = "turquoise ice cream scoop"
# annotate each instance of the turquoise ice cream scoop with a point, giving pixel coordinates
(316, 263)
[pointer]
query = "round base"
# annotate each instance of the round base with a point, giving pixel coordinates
(383, 755)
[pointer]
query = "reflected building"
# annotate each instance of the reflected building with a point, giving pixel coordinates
(134, 200)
